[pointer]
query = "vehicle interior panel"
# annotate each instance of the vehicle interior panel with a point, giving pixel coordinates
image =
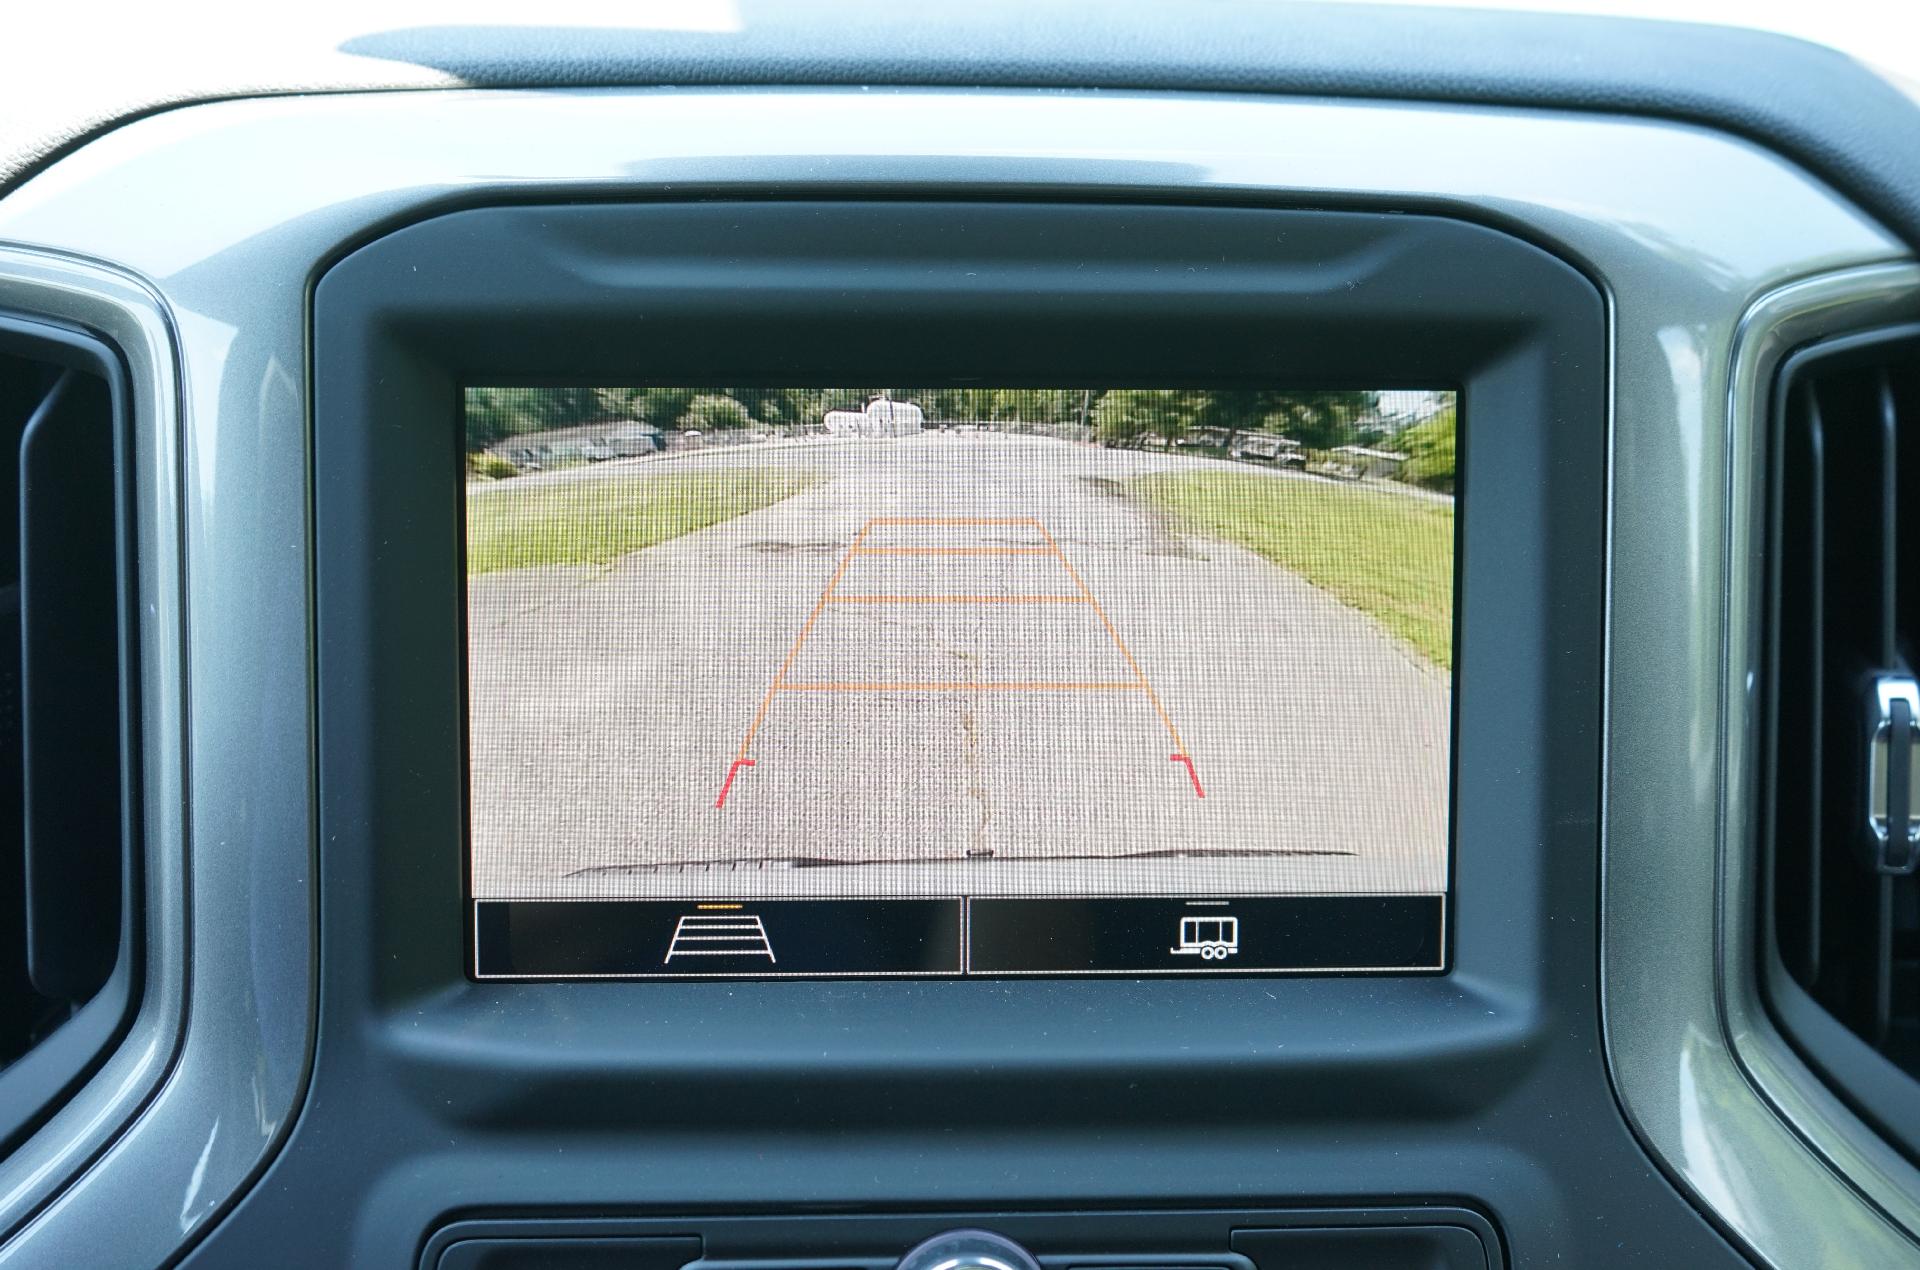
(1291, 644)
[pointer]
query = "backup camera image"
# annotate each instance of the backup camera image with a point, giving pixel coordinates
(839, 679)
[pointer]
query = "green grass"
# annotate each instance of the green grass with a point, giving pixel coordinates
(1388, 555)
(598, 521)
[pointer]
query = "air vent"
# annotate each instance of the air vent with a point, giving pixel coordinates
(66, 709)
(1842, 792)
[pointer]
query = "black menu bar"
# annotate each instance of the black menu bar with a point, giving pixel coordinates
(745, 939)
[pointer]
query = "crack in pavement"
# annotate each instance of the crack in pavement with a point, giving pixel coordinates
(969, 722)
(774, 546)
(1163, 534)
(976, 790)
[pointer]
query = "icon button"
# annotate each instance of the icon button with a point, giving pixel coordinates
(720, 935)
(1211, 938)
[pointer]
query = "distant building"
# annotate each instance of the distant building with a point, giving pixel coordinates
(882, 417)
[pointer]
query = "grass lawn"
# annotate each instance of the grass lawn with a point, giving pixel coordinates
(1388, 555)
(598, 521)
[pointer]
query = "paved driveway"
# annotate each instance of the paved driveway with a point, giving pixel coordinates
(963, 665)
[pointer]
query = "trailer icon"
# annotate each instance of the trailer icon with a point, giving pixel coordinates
(1209, 938)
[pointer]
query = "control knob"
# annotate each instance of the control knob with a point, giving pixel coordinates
(969, 1250)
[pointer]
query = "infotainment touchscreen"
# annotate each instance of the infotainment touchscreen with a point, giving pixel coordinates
(961, 681)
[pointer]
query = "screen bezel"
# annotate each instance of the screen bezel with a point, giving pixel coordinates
(577, 294)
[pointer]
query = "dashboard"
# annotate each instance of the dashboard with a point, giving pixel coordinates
(1217, 693)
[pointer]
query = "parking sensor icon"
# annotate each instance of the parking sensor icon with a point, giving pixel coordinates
(731, 935)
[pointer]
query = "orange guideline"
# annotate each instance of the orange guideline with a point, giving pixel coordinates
(859, 546)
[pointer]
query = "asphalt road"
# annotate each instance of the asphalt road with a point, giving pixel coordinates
(963, 665)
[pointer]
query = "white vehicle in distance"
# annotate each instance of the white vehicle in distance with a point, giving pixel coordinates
(1278, 450)
(882, 417)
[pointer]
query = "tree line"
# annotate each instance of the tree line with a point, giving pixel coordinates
(494, 414)
(1318, 420)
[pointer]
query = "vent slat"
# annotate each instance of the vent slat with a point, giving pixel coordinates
(1814, 668)
(1903, 385)
(1889, 513)
(1798, 598)
(70, 643)
(1881, 968)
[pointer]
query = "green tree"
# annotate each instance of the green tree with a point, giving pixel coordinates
(1010, 405)
(493, 414)
(973, 405)
(939, 405)
(565, 407)
(781, 406)
(1429, 448)
(660, 407)
(1233, 411)
(1318, 420)
(713, 412)
(802, 407)
(1037, 407)
(1126, 416)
